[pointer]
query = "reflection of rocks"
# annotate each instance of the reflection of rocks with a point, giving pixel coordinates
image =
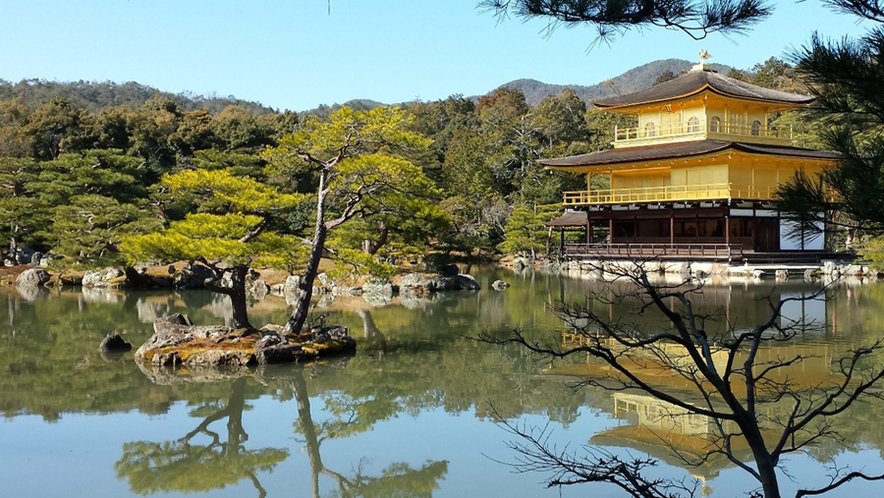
(500, 285)
(149, 311)
(323, 302)
(31, 294)
(176, 341)
(111, 356)
(340, 290)
(260, 289)
(220, 307)
(100, 295)
(161, 375)
(414, 301)
(377, 293)
(288, 288)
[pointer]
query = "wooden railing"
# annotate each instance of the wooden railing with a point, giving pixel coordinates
(620, 250)
(668, 193)
(703, 128)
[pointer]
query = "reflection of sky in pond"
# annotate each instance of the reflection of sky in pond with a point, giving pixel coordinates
(76, 455)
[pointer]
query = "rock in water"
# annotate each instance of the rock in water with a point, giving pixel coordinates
(114, 343)
(499, 285)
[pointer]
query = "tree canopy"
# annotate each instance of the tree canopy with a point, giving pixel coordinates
(695, 18)
(227, 227)
(360, 161)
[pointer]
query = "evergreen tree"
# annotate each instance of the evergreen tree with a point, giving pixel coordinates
(847, 78)
(226, 228)
(360, 160)
(697, 18)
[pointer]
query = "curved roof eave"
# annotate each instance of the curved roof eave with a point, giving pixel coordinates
(696, 82)
(628, 155)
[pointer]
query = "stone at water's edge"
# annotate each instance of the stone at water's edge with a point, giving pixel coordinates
(176, 341)
(114, 343)
(33, 277)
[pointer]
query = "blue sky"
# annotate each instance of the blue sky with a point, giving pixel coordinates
(297, 54)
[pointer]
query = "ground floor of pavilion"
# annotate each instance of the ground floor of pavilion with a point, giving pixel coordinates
(727, 230)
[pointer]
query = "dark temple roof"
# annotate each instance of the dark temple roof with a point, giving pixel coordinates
(697, 81)
(681, 149)
(569, 219)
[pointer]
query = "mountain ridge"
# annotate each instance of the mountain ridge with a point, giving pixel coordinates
(97, 95)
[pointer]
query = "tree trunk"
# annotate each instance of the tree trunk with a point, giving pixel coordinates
(237, 293)
(767, 473)
(238, 296)
(305, 286)
(372, 247)
(764, 461)
(308, 429)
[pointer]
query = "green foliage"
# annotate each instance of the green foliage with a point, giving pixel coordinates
(57, 127)
(377, 200)
(100, 224)
(226, 221)
(215, 237)
(470, 162)
(847, 79)
(241, 130)
(525, 231)
(402, 213)
(96, 194)
(22, 214)
(611, 19)
(872, 251)
(220, 191)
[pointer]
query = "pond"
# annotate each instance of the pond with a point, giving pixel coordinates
(412, 414)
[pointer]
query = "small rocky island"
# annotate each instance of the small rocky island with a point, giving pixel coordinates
(177, 341)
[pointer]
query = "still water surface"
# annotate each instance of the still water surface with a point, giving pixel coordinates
(410, 415)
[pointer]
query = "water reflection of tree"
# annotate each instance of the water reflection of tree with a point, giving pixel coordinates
(182, 465)
(352, 416)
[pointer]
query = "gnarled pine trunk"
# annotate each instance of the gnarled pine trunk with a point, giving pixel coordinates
(305, 286)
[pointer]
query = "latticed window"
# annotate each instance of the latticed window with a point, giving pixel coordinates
(693, 125)
(715, 124)
(650, 131)
(756, 128)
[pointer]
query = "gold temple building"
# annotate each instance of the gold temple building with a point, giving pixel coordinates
(696, 178)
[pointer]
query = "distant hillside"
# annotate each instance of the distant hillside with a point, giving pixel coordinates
(96, 96)
(631, 81)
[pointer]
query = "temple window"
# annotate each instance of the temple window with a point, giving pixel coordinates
(756, 128)
(715, 124)
(693, 125)
(650, 131)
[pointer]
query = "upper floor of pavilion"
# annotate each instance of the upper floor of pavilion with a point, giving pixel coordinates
(703, 104)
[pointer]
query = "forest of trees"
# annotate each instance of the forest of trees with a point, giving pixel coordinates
(85, 165)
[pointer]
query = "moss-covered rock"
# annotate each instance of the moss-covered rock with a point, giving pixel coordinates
(176, 341)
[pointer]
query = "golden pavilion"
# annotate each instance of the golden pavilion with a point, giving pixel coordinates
(695, 178)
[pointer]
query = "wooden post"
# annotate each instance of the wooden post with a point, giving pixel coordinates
(561, 242)
(671, 226)
(727, 227)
